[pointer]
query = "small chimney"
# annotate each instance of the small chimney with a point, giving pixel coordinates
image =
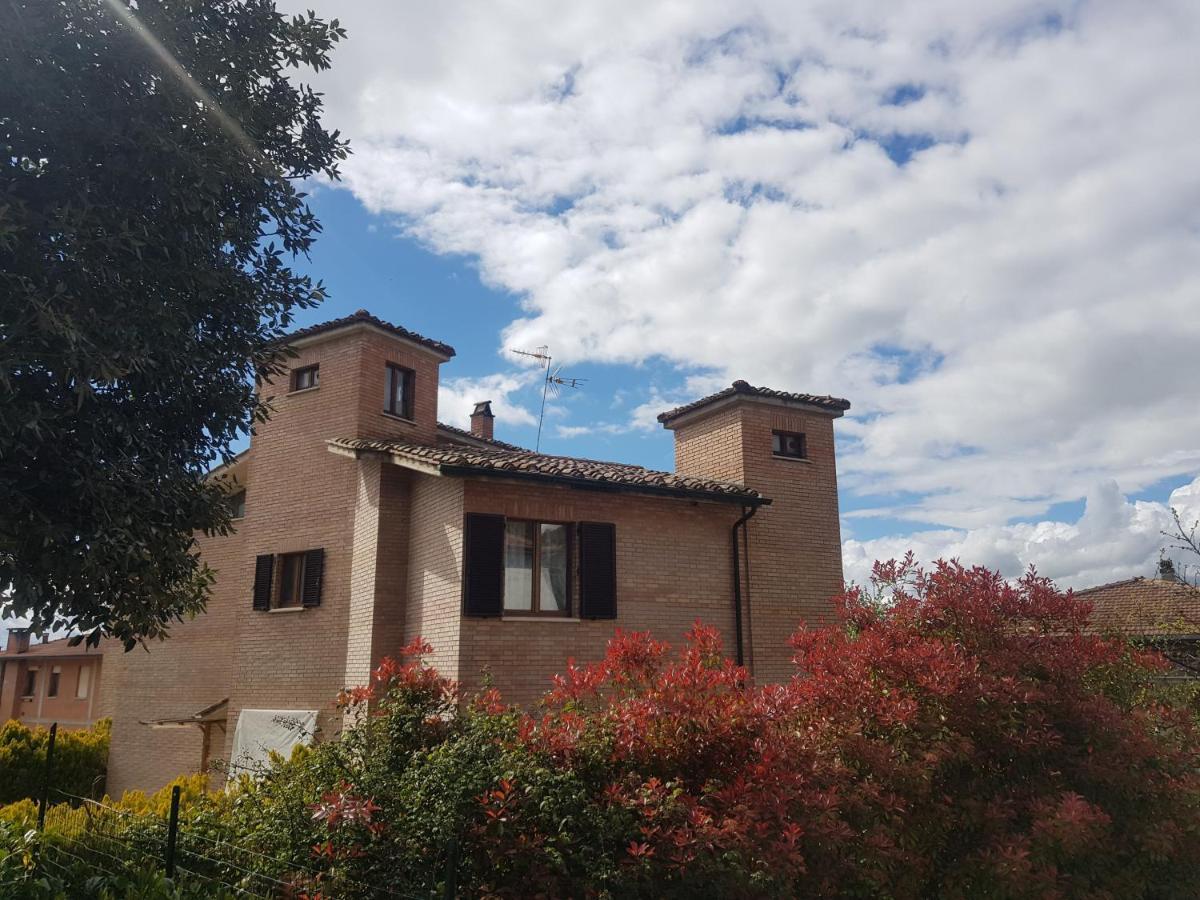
(1166, 570)
(482, 420)
(18, 640)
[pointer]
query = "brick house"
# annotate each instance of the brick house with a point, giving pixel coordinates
(50, 681)
(366, 522)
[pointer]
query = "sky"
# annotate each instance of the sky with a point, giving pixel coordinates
(979, 222)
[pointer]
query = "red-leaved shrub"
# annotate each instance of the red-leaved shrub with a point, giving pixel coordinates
(956, 735)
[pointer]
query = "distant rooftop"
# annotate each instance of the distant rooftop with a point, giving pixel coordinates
(362, 317)
(57, 647)
(833, 404)
(1145, 608)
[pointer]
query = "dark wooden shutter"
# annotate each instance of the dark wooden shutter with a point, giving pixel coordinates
(314, 567)
(264, 571)
(409, 379)
(597, 570)
(483, 565)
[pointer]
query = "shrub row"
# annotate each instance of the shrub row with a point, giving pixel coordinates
(956, 735)
(80, 760)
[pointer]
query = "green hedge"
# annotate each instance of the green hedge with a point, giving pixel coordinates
(80, 760)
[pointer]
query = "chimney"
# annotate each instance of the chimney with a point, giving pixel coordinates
(482, 420)
(1166, 570)
(18, 640)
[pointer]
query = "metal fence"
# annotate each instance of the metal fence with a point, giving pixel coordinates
(107, 840)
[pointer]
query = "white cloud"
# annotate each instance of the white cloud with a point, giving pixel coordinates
(1012, 311)
(458, 396)
(1113, 539)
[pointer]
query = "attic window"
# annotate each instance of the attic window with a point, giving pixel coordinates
(398, 391)
(305, 378)
(789, 444)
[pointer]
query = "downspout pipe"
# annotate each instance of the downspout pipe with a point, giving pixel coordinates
(747, 514)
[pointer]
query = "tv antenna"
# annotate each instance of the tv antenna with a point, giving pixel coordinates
(554, 381)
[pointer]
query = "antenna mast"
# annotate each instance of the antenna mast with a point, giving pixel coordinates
(552, 381)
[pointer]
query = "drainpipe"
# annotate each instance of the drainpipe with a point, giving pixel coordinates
(747, 514)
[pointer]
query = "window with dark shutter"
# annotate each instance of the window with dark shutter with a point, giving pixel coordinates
(597, 570)
(264, 570)
(314, 566)
(483, 565)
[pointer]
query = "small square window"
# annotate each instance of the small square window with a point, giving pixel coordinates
(398, 391)
(291, 581)
(55, 677)
(305, 378)
(789, 444)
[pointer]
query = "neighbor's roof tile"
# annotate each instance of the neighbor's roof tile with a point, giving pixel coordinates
(1145, 607)
(55, 648)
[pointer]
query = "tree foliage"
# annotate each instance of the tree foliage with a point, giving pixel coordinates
(148, 215)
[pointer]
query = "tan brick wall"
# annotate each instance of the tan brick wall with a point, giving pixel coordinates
(795, 543)
(434, 602)
(174, 678)
(673, 567)
(299, 497)
(391, 574)
(363, 561)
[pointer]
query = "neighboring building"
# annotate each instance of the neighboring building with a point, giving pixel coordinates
(366, 522)
(49, 682)
(1162, 612)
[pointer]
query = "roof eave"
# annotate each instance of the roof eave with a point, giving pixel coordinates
(671, 421)
(309, 339)
(584, 484)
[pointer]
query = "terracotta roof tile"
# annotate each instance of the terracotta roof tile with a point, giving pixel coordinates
(463, 436)
(364, 317)
(1145, 607)
(834, 404)
(464, 460)
(57, 647)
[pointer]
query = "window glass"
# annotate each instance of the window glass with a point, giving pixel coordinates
(52, 687)
(397, 398)
(308, 377)
(784, 443)
(291, 573)
(552, 593)
(30, 683)
(518, 565)
(237, 503)
(81, 686)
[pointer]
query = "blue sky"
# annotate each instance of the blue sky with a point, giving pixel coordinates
(367, 262)
(977, 222)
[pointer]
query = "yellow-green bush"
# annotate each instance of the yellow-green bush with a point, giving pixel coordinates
(80, 760)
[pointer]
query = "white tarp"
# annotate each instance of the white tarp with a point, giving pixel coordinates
(259, 731)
